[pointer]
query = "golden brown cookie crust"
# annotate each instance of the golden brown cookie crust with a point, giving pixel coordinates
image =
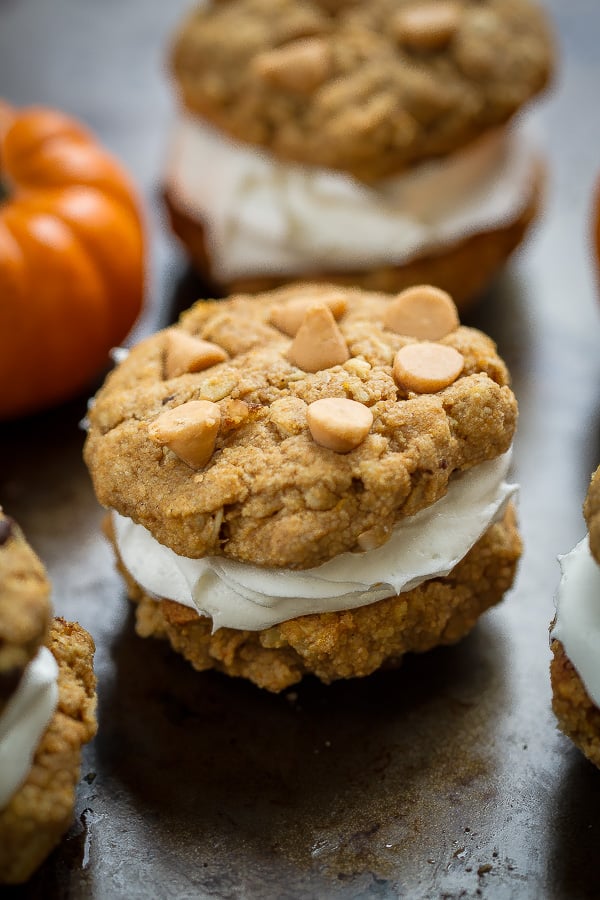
(591, 511)
(41, 810)
(25, 610)
(270, 495)
(346, 644)
(578, 716)
(463, 270)
(341, 85)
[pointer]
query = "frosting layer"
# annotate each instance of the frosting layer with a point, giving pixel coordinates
(263, 216)
(237, 595)
(24, 720)
(577, 624)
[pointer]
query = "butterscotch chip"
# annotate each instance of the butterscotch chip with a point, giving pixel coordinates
(288, 317)
(319, 343)
(189, 430)
(424, 312)
(427, 26)
(427, 367)
(300, 66)
(339, 424)
(185, 353)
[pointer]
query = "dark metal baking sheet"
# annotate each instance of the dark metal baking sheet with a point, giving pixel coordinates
(446, 778)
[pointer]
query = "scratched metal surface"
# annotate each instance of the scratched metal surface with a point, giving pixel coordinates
(446, 778)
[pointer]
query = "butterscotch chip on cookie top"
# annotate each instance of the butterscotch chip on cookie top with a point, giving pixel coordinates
(366, 88)
(291, 480)
(424, 312)
(574, 668)
(591, 511)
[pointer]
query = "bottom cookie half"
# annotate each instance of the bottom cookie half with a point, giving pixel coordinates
(350, 643)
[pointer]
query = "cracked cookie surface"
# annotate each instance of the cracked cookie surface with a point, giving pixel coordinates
(365, 88)
(270, 494)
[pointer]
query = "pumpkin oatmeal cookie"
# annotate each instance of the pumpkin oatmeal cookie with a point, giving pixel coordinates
(575, 636)
(47, 710)
(284, 470)
(302, 116)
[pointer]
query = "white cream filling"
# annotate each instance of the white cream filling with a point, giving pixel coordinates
(246, 597)
(263, 216)
(577, 624)
(24, 720)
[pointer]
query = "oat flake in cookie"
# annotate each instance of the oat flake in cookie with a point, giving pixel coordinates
(297, 507)
(372, 144)
(47, 710)
(575, 636)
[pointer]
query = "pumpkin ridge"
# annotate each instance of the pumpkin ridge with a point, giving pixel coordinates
(117, 265)
(64, 339)
(63, 163)
(32, 130)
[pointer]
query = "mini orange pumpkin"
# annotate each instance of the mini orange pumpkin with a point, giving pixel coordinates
(71, 258)
(595, 230)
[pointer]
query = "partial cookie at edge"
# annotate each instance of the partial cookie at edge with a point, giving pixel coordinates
(25, 610)
(578, 716)
(41, 810)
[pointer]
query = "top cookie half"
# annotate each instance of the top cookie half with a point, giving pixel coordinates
(591, 511)
(258, 471)
(25, 609)
(366, 88)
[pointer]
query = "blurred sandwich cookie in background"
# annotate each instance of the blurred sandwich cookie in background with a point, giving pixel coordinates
(376, 144)
(575, 636)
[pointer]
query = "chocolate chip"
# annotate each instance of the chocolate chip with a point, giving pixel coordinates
(6, 529)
